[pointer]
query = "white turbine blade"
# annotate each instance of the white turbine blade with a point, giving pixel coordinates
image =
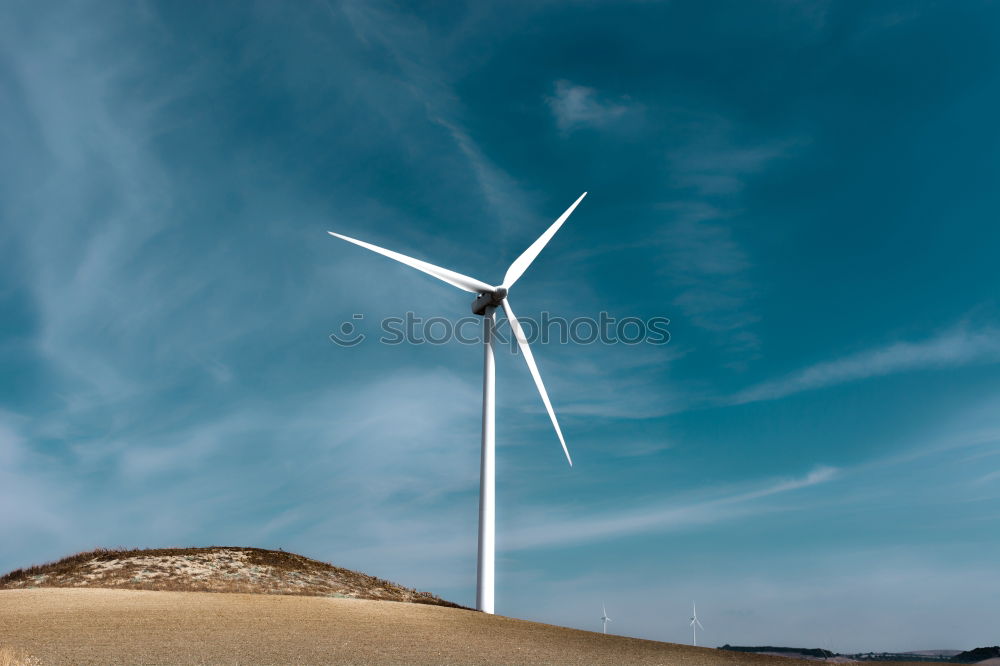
(604, 611)
(451, 277)
(521, 263)
(699, 625)
(522, 342)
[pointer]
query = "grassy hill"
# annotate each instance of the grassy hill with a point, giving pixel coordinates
(213, 569)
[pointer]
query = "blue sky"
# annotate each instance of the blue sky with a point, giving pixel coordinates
(806, 189)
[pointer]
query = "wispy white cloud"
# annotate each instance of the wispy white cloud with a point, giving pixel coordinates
(567, 529)
(716, 162)
(101, 286)
(956, 347)
(988, 477)
(575, 106)
(28, 500)
(711, 271)
(501, 192)
(704, 257)
(720, 170)
(428, 82)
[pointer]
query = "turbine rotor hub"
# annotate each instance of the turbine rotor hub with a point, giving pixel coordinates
(488, 299)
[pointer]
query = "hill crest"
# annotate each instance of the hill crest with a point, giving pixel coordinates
(213, 569)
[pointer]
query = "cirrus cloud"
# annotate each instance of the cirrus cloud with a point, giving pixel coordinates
(956, 347)
(575, 106)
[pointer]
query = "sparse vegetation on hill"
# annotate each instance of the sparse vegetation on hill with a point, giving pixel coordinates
(213, 569)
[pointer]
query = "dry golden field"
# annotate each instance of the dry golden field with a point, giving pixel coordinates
(104, 626)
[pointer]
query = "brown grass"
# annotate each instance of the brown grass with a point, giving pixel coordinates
(11, 657)
(212, 569)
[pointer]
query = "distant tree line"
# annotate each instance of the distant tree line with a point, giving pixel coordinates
(816, 652)
(967, 657)
(979, 654)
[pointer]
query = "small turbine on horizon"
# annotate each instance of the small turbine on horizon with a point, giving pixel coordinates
(604, 617)
(488, 299)
(695, 624)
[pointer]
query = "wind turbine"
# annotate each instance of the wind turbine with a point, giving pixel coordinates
(695, 624)
(488, 298)
(604, 617)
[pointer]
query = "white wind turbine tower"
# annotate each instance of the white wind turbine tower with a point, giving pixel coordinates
(487, 300)
(695, 624)
(604, 617)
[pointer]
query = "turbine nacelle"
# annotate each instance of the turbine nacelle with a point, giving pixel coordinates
(488, 299)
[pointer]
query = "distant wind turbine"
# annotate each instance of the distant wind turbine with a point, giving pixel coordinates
(695, 624)
(487, 300)
(604, 617)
